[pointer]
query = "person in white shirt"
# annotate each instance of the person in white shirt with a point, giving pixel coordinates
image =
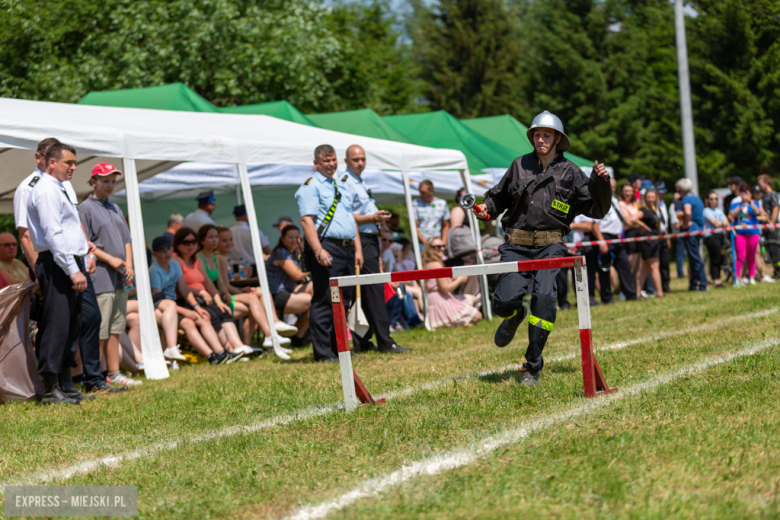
(242, 240)
(431, 214)
(58, 239)
(609, 228)
(207, 202)
(22, 195)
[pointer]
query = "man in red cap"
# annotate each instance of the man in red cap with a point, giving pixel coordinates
(106, 227)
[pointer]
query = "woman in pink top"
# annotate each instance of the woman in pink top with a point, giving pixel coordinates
(444, 308)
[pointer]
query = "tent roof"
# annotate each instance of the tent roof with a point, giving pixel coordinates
(441, 130)
(159, 140)
(363, 122)
(509, 132)
(175, 96)
(277, 109)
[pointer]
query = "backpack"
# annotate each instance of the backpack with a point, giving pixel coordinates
(460, 242)
(489, 243)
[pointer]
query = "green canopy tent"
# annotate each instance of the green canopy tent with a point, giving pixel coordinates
(363, 122)
(175, 96)
(511, 133)
(277, 109)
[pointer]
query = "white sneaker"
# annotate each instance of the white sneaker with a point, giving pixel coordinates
(123, 381)
(268, 343)
(246, 349)
(752, 281)
(283, 329)
(744, 281)
(173, 353)
(768, 278)
(174, 365)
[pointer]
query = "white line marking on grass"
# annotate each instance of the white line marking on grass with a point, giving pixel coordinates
(88, 466)
(464, 456)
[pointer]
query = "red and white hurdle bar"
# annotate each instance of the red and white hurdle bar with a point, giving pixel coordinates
(355, 391)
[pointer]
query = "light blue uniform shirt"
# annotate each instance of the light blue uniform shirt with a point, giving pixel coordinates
(315, 197)
(362, 201)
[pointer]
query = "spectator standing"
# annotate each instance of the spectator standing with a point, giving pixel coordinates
(207, 202)
(431, 214)
(675, 219)
(57, 238)
(610, 228)
(106, 227)
(663, 254)
(693, 220)
(11, 268)
(282, 222)
(746, 212)
(732, 183)
(175, 223)
(769, 202)
(635, 180)
(632, 225)
(369, 218)
(714, 218)
(444, 308)
(334, 247)
(290, 287)
(650, 249)
(242, 240)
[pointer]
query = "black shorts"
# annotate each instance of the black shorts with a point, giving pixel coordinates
(217, 316)
(280, 301)
(649, 248)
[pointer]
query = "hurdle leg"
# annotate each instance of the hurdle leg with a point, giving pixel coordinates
(592, 377)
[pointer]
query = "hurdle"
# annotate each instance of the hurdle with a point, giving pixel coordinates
(355, 392)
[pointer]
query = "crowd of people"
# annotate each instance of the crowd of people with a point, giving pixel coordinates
(86, 312)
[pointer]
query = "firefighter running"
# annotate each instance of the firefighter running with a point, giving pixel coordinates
(541, 193)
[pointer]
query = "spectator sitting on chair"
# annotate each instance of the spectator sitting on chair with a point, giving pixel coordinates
(106, 227)
(185, 243)
(431, 214)
(242, 241)
(11, 268)
(175, 223)
(201, 216)
(165, 277)
(243, 303)
(444, 308)
(291, 288)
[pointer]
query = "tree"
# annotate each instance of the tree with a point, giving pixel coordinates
(468, 51)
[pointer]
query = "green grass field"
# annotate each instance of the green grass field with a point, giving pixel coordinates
(691, 433)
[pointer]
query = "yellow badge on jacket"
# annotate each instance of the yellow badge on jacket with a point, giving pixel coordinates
(560, 206)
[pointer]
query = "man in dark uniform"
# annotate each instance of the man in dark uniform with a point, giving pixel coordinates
(333, 245)
(368, 218)
(542, 193)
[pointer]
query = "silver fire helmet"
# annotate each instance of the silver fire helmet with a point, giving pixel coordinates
(548, 120)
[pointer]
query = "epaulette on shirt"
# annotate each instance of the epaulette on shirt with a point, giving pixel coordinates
(34, 181)
(344, 178)
(308, 181)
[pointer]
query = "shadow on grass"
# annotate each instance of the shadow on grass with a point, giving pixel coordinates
(501, 377)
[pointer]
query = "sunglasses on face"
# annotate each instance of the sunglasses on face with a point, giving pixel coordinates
(438, 248)
(189, 242)
(8, 244)
(386, 240)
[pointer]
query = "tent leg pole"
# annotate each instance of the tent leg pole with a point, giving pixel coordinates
(487, 310)
(257, 247)
(415, 241)
(154, 362)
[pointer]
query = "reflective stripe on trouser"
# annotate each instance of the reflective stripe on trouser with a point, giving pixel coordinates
(511, 288)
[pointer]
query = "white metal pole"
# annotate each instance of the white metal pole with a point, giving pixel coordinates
(488, 312)
(415, 241)
(154, 362)
(686, 109)
(257, 247)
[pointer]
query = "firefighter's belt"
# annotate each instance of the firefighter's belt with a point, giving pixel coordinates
(533, 238)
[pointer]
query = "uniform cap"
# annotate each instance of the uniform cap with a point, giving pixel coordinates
(549, 120)
(240, 210)
(103, 169)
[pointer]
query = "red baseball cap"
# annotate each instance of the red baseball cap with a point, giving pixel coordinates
(103, 169)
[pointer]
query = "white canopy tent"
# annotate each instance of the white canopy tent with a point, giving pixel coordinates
(153, 141)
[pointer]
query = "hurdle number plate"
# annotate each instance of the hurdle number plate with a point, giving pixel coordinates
(560, 206)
